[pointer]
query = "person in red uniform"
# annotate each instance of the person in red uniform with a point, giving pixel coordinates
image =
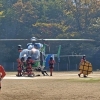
(2, 74)
(19, 67)
(51, 65)
(82, 60)
(29, 62)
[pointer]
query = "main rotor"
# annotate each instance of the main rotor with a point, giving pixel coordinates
(33, 39)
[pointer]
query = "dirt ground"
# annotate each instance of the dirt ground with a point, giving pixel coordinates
(61, 86)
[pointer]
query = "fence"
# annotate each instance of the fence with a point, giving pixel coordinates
(9, 66)
(12, 66)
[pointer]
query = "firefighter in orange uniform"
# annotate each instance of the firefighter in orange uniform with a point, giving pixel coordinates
(82, 60)
(51, 65)
(2, 74)
(19, 67)
(29, 66)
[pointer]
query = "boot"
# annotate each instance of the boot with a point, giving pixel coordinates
(85, 76)
(79, 75)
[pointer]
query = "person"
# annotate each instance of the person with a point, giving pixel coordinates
(51, 65)
(29, 63)
(82, 60)
(19, 67)
(2, 74)
(20, 48)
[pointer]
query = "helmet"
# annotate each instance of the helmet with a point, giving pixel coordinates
(84, 55)
(51, 58)
(19, 46)
(22, 59)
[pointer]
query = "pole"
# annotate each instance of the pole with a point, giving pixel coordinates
(58, 66)
(69, 62)
(67, 67)
(76, 66)
(13, 66)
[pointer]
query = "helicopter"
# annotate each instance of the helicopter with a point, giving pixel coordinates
(36, 50)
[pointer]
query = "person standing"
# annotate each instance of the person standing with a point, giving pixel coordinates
(19, 67)
(51, 65)
(2, 74)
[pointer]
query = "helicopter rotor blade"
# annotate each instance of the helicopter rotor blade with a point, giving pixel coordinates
(71, 55)
(13, 39)
(67, 39)
(34, 39)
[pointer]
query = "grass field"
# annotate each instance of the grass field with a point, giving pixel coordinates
(61, 86)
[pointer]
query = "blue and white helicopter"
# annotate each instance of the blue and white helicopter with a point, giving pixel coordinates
(37, 51)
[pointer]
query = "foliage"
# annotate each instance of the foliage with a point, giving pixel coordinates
(50, 19)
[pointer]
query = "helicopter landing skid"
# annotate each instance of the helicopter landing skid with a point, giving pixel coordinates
(44, 72)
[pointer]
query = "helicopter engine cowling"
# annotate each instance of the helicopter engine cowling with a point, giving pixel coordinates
(38, 45)
(30, 47)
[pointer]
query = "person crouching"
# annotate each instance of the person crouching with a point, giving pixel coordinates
(29, 62)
